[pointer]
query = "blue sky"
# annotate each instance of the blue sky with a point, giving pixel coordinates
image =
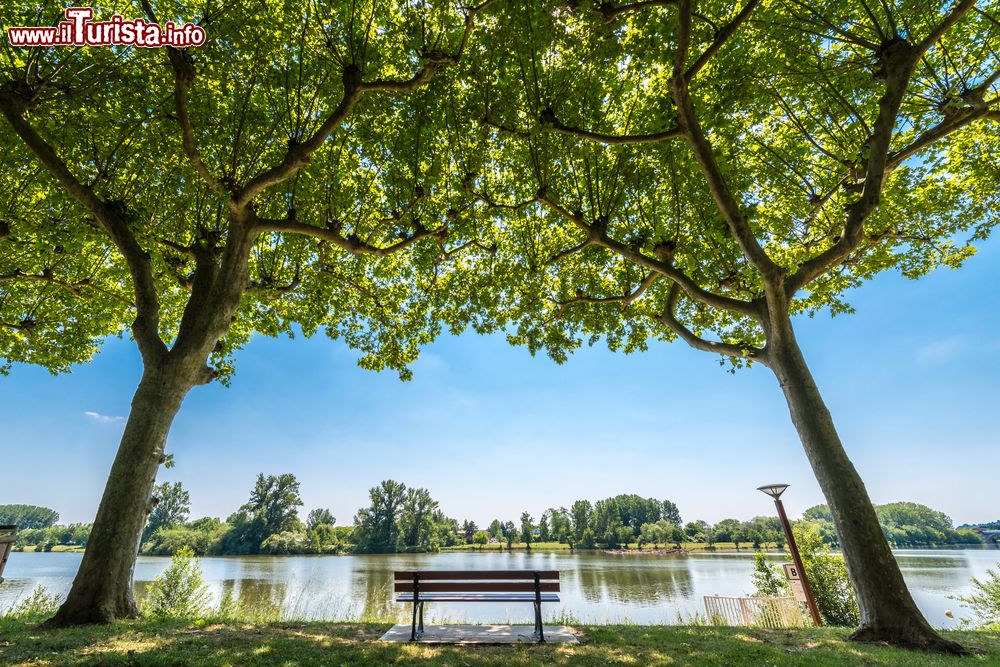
(911, 379)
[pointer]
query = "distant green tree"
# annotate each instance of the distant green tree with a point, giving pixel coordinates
(496, 529)
(27, 516)
(319, 517)
(543, 528)
(903, 523)
(696, 531)
(272, 509)
(286, 542)
(481, 538)
(651, 533)
(204, 536)
(581, 511)
(671, 513)
(173, 504)
(561, 528)
(468, 530)
(376, 527)
(509, 534)
(416, 518)
(527, 530)
(729, 530)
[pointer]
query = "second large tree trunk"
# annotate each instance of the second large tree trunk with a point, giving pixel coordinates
(888, 612)
(102, 589)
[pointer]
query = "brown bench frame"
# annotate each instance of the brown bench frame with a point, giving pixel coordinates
(8, 535)
(420, 586)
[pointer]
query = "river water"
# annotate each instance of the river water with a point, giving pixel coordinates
(596, 588)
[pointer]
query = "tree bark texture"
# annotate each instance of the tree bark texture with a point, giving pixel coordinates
(888, 612)
(102, 589)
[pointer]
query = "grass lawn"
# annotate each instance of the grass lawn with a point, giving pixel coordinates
(237, 644)
(70, 548)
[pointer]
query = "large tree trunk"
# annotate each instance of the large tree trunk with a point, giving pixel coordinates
(102, 589)
(888, 612)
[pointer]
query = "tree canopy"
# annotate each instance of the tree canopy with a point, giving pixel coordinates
(655, 164)
(27, 516)
(326, 126)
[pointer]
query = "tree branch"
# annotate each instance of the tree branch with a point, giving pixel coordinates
(599, 237)
(624, 299)
(184, 74)
(898, 61)
(548, 119)
(14, 100)
(611, 13)
(721, 37)
(350, 243)
(956, 13)
(298, 154)
(669, 318)
(46, 276)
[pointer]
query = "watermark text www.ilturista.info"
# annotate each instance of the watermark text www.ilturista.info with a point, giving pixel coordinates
(79, 29)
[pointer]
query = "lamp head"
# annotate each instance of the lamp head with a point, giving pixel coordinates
(773, 490)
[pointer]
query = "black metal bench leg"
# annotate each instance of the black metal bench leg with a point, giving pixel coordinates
(539, 628)
(420, 628)
(413, 624)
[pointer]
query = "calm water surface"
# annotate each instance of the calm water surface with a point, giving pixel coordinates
(596, 588)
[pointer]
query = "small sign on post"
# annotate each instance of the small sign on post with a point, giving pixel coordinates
(795, 581)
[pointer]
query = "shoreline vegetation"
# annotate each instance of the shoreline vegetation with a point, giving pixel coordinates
(631, 550)
(399, 519)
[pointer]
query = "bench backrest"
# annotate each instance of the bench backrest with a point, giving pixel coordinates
(476, 581)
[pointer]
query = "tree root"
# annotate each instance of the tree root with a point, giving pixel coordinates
(917, 638)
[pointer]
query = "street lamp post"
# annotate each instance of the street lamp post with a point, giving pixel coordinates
(775, 491)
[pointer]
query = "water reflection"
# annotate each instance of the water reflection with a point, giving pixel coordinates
(595, 587)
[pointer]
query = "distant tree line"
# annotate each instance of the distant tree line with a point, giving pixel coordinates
(402, 519)
(27, 516)
(904, 524)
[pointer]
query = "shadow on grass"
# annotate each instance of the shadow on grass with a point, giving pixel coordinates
(237, 644)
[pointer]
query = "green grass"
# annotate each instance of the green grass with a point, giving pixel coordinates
(323, 643)
(69, 548)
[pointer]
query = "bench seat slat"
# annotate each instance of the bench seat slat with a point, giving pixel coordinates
(458, 575)
(475, 587)
(477, 597)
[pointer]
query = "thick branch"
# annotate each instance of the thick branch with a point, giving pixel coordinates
(729, 207)
(184, 74)
(45, 277)
(669, 318)
(599, 237)
(145, 328)
(350, 243)
(298, 155)
(940, 131)
(956, 13)
(354, 90)
(898, 62)
(624, 299)
(611, 13)
(721, 37)
(687, 119)
(548, 119)
(272, 292)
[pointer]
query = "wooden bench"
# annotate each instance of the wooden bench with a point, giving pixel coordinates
(8, 535)
(420, 586)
